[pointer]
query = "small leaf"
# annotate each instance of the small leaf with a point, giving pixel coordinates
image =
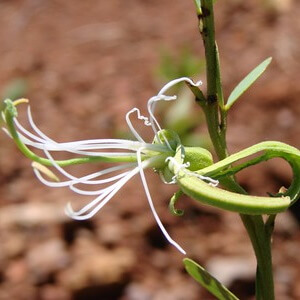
(247, 82)
(208, 281)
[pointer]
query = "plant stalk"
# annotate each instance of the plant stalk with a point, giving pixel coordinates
(258, 231)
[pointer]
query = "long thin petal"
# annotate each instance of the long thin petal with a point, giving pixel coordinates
(36, 129)
(100, 201)
(28, 133)
(157, 219)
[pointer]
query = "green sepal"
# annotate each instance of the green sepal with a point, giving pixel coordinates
(209, 282)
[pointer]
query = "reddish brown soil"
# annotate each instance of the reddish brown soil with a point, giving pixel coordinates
(86, 63)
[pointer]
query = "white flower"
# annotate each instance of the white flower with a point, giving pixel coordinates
(135, 156)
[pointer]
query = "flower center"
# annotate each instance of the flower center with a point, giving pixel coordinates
(168, 138)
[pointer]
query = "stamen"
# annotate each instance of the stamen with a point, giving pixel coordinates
(37, 130)
(140, 117)
(157, 219)
(19, 101)
(28, 133)
(45, 171)
(42, 141)
(78, 147)
(50, 183)
(161, 95)
(59, 168)
(154, 122)
(96, 192)
(96, 202)
(151, 107)
(85, 179)
(99, 182)
(100, 201)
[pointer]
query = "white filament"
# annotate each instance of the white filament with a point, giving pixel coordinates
(42, 141)
(140, 117)
(100, 201)
(157, 219)
(87, 179)
(161, 96)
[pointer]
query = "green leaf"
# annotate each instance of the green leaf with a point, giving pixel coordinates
(198, 5)
(247, 82)
(208, 281)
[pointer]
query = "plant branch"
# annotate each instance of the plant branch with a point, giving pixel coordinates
(259, 233)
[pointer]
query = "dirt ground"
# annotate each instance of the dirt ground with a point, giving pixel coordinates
(83, 65)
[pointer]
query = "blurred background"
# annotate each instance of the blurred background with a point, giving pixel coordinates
(83, 65)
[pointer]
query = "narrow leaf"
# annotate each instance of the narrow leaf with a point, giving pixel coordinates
(247, 82)
(208, 281)
(198, 6)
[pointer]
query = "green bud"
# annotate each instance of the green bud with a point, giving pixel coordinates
(198, 158)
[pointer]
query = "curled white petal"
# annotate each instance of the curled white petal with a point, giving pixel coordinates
(161, 96)
(176, 81)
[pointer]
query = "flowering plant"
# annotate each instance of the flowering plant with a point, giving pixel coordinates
(190, 168)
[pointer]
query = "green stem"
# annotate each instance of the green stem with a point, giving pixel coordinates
(216, 119)
(260, 236)
(259, 233)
